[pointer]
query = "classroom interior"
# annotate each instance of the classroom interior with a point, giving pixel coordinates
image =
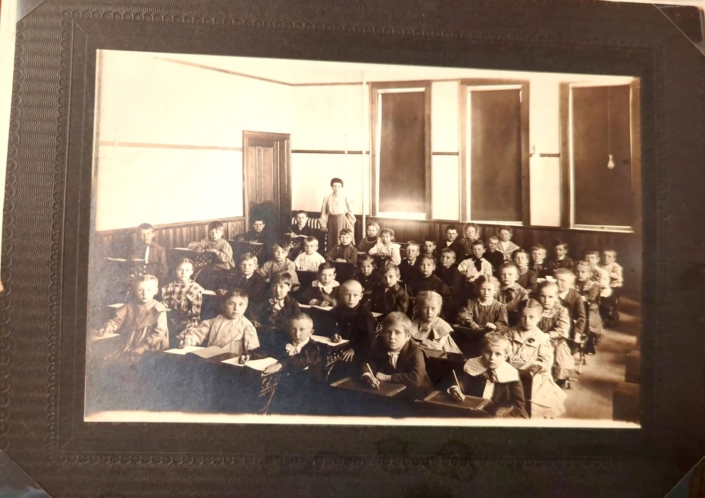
(182, 140)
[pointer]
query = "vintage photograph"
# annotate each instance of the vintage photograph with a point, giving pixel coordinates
(310, 242)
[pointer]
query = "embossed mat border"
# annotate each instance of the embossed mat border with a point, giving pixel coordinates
(41, 358)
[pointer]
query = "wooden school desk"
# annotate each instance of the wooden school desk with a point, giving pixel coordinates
(442, 404)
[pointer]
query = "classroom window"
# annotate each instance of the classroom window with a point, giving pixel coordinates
(494, 151)
(401, 181)
(600, 184)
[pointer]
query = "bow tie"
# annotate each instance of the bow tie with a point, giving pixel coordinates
(490, 375)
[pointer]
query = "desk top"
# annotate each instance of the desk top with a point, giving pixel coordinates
(469, 403)
(386, 389)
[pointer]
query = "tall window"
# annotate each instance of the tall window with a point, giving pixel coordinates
(494, 121)
(401, 157)
(601, 181)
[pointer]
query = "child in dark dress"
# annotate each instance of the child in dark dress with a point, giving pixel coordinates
(367, 275)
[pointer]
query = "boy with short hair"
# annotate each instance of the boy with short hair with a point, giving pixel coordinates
(511, 294)
(280, 263)
(599, 276)
(354, 322)
(216, 244)
(150, 256)
(506, 246)
(367, 275)
(249, 281)
(538, 261)
(278, 312)
(476, 265)
(299, 231)
(184, 298)
(323, 291)
(493, 254)
(394, 358)
(527, 277)
(345, 251)
(572, 301)
(409, 267)
(452, 242)
(370, 240)
(560, 258)
(309, 259)
(429, 247)
(447, 271)
(430, 282)
(388, 295)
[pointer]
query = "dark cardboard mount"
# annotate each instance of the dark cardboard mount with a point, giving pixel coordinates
(45, 253)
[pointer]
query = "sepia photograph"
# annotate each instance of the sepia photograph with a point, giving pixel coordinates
(311, 242)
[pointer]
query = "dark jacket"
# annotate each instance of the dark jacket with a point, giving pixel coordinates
(456, 246)
(356, 325)
(450, 276)
(157, 265)
(495, 258)
(528, 281)
(409, 273)
(303, 368)
(387, 300)
(507, 395)
(410, 369)
(553, 264)
(573, 302)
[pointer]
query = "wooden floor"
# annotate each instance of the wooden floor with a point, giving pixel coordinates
(590, 395)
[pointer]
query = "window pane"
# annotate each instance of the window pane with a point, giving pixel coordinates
(601, 126)
(495, 158)
(402, 156)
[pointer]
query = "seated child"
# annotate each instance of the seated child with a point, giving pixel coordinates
(324, 290)
(506, 246)
(471, 233)
(394, 358)
(354, 322)
(151, 257)
(452, 242)
(280, 263)
(429, 281)
(428, 330)
(299, 231)
(309, 259)
(216, 244)
(344, 252)
(429, 248)
(598, 275)
(257, 234)
(532, 355)
(301, 362)
(610, 265)
(560, 258)
(371, 239)
(527, 278)
(511, 294)
(184, 298)
(476, 265)
(141, 323)
(386, 248)
(538, 261)
(573, 302)
(367, 275)
(388, 295)
(493, 255)
(251, 282)
(555, 321)
(448, 270)
(276, 315)
(589, 290)
(489, 376)
(486, 313)
(230, 330)
(409, 266)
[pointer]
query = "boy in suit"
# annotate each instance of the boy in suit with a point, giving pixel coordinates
(345, 252)
(354, 322)
(452, 242)
(493, 254)
(278, 312)
(249, 281)
(572, 301)
(409, 267)
(511, 294)
(395, 359)
(388, 295)
(149, 256)
(560, 258)
(447, 271)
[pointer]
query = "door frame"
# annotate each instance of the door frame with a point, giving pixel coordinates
(284, 172)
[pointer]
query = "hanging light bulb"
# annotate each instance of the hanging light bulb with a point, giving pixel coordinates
(610, 163)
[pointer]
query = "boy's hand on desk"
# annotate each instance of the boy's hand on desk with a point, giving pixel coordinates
(348, 354)
(336, 338)
(384, 377)
(272, 368)
(455, 392)
(314, 302)
(244, 359)
(367, 377)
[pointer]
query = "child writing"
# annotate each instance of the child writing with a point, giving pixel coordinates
(506, 246)
(394, 358)
(344, 252)
(280, 263)
(589, 290)
(555, 321)
(386, 248)
(371, 239)
(489, 376)
(141, 323)
(354, 322)
(428, 330)
(447, 271)
(511, 294)
(532, 355)
(309, 259)
(493, 255)
(409, 266)
(476, 265)
(323, 291)
(560, 258)
(486, 313)
(184, 298)
(471, 233)
(230, 330)
(388, 295)
(527, 278)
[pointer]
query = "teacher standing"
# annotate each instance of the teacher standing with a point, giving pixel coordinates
(336, 213)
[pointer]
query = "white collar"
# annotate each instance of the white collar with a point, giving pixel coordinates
(505, 372)
(486, 304)
(301, 346)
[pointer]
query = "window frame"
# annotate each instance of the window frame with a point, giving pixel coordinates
(377, 89)
(567, 165)
(465, 86)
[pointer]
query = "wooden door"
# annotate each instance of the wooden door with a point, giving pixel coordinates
(267, 177)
